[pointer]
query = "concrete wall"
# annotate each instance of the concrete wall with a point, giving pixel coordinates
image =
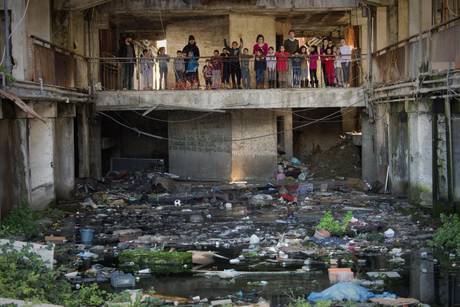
(200, 149)
(403, 19)
(382, 27)
(254, 157)
(420, 16)
(209, 34)
(249, 26)
(36, 22)
(456, 156)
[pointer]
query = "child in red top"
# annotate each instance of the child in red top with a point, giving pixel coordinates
(329, 60)
(282, 58)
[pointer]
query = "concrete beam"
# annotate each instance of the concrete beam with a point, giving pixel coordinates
(231, 99)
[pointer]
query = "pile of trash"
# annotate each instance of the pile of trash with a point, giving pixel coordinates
(132, 227)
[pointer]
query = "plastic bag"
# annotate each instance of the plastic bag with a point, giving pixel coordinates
(347, 291)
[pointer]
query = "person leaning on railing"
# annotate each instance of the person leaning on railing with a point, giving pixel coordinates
(234, 62)
(245, 74)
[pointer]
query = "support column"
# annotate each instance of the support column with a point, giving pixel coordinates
(64, 168)
(41, 160)
(288, 135)
(83, 141)
(368, 153)
(398, 143)
(420, 123)
(381, 117)
(456, 155)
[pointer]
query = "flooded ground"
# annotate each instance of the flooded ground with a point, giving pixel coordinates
(258, 232)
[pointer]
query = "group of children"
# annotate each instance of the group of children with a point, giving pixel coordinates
(231, 67)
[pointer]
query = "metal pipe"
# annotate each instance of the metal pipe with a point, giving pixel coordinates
(6, 29)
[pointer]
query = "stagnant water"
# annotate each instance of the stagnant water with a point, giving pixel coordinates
(421, 277)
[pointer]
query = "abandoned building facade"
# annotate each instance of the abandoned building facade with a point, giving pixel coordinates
(65, 112)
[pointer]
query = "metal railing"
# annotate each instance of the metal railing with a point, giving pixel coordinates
(54, 65)
(429, 50)
(170, 73)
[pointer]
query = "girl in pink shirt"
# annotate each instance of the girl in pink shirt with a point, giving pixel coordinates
(282, 58)
(260, 44)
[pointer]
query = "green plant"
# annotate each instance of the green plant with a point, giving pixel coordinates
(334, 226)
(20, 222)
(9, 77)
(24, 276)
(323, 304)
(299, 302)
(447, 236)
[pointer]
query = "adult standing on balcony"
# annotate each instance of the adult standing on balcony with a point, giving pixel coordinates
(291, 45)
(193, 48)
(260, 44)
(127, 51)
(345, 52)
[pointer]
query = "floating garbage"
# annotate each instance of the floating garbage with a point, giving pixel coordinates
(389, 233)
(121, 280)
(254, 240)
(87, 236)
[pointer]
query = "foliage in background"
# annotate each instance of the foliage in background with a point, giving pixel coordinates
(447, 236)
(24, 276)
(334, 226)
(20, 222)
(299, 302)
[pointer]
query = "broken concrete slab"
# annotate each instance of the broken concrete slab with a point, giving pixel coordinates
(46, 252)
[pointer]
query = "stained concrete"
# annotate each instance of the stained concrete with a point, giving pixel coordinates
(368, 149)
(230, 99)
(456, 156)
(254, 146)
(398, 140)
(41, 157)
(200, 149)
(420, 125)
(64, 157)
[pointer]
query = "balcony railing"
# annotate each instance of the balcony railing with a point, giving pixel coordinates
(57, 66)
(169, 73)
(431, 50)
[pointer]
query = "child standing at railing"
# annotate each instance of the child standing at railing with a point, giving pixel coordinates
(216, 63)
(146, 64)
(207, 74)
(163, 60)
(271, 67)
(296, 61)
(313, 66)
(259, 66)
(245, 58)
(282, 58)
(304, 67)
(338, 67)
(179, 70)
(225, 56)
(329, 60)
(192, 70)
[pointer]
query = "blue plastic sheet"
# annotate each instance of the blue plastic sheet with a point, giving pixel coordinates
(347, 291)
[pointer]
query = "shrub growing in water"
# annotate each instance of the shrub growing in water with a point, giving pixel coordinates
(447, 236)
(334, 226)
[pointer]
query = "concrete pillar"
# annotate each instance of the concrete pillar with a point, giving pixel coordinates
(200, 149)
(14, 166)
(403, 19)
(382, 27)
(456, 155)
(254, 152)
(381, 117)
(398, 143)
(288, 135)
(420, 123)
(41, 159)
(368, 156)
(84, 143)
(441, 161)
(96, 149)
(64, 157)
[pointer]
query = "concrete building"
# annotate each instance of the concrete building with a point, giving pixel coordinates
(65, 115)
